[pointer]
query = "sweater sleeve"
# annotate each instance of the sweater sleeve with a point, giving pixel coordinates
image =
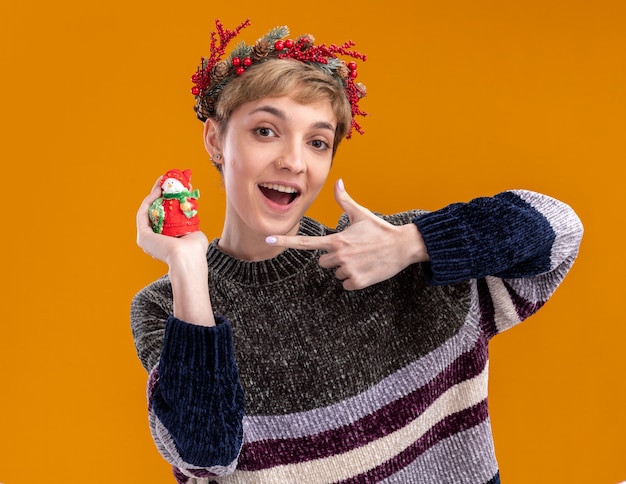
(195, 400)
(515, 247)
(514, 234)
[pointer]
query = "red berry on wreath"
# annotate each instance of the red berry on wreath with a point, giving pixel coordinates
(236, 61)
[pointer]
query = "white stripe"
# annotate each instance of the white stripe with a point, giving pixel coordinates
(331, 469)
(505, 314)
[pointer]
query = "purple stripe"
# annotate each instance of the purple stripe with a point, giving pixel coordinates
(200, 473)
(264, 454)
(448, 427)
(523, 307)
(487, 310)
(179, 476)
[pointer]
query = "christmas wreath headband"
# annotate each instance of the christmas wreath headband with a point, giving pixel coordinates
(216, 71)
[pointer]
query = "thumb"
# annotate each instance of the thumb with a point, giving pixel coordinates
(354, 211)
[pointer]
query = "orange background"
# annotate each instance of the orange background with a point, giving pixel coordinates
(466, 99)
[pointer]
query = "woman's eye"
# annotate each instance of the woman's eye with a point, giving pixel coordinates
(265, 132)
(319, 144)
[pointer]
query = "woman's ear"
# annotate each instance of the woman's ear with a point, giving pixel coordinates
(211, 139)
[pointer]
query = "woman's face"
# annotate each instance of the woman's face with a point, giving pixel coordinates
(276, 155)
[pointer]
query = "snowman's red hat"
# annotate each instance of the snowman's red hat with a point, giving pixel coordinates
(183, 176)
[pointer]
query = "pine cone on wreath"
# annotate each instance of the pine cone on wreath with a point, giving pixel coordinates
(361, 90)
(205, 108)
(260, 49)
(219, 72)
(343, 71)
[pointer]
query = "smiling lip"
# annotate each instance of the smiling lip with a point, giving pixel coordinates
(279, 194)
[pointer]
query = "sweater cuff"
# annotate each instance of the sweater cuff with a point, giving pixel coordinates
(444, 236)
(201, 354)
(199, 399)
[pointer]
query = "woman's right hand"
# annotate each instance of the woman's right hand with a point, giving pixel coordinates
(163, 247)
(186, 259)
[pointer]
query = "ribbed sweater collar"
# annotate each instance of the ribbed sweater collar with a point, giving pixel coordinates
(268, 271)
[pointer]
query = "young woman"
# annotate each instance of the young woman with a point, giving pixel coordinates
(288, 351)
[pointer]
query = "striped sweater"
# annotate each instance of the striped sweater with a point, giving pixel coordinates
(302, 381)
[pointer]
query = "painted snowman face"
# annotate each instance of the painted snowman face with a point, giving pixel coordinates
(172, 185)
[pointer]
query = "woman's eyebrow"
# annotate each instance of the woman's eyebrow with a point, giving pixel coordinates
(272, 110)
(324, 125)
(283, 116)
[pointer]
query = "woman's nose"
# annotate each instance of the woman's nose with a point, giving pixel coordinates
(292, 159)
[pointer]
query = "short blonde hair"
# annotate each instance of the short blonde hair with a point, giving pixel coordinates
(285, 77)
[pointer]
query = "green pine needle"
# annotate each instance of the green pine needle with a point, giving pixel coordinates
(276, 33)
(242, 50)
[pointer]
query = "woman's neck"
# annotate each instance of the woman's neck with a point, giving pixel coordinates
(248, 247)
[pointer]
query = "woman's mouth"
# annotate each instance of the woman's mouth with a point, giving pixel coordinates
(279, 194)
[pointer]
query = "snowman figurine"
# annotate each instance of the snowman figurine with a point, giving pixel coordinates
(175, 212)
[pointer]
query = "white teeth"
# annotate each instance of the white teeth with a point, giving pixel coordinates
(279, 188)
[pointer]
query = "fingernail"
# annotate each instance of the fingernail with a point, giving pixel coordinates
(340, 185)
(271, 240)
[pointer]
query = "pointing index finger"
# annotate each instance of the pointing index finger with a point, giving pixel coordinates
(303, 242)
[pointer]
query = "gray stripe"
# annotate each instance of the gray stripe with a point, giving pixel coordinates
(464, 458)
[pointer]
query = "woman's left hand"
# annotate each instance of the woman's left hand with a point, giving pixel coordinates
(369, 251)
